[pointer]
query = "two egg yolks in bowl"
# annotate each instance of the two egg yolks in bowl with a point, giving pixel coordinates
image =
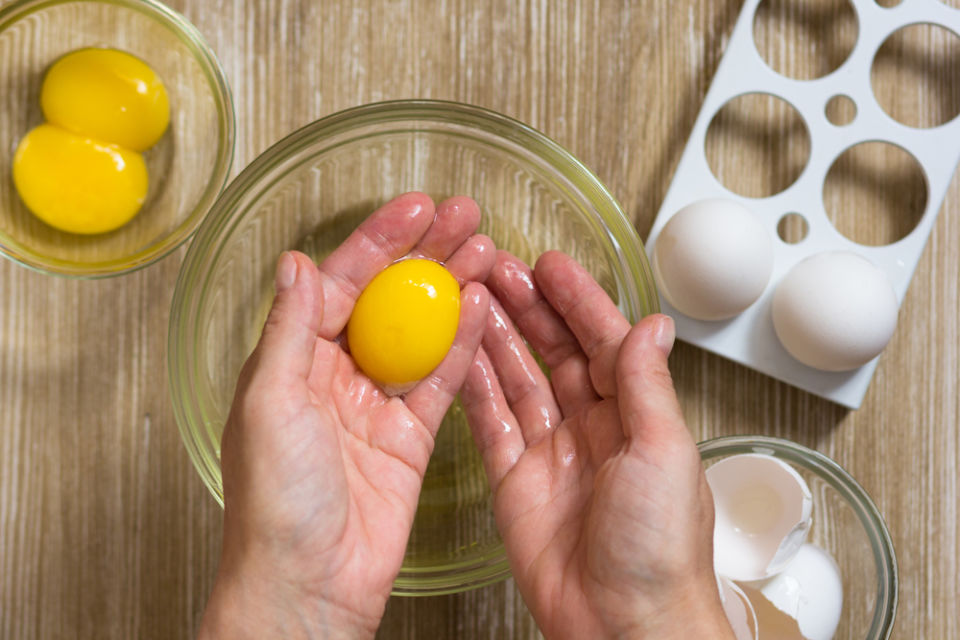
(82, 171)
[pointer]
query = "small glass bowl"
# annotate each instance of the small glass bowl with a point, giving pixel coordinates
(188, 167)
(308, 192)
(846, 523)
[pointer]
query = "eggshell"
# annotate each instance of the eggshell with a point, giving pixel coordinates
(810, 590)
(713, 259)
(763, 513)
(738, 609)
(835, 311)
(771, 622)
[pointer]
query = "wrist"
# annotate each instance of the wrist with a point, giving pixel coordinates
(697, 615)
(248, 604)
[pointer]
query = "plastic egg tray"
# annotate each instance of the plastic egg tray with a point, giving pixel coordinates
(749, 338)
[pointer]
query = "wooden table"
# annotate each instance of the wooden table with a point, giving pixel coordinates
(105, 528)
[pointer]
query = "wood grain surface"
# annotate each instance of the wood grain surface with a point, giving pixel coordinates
(106, 531)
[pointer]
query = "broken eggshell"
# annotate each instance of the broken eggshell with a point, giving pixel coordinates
(771, 621)
(738, 609)
(763, 512)
(810, 590)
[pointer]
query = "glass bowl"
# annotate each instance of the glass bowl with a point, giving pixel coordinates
(846, 523)
(308, 192)
(188, 167)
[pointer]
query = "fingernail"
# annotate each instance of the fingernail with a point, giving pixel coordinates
(286, 272)
(665, 334)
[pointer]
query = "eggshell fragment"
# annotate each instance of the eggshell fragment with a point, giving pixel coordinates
(738, 609)
(713, 259)
(835, 311)
(771, 622)
(763, 513)
(810, 590)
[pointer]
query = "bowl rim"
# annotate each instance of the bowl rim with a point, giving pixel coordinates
(213, 70)
(885, 559)
(204, 251)
(431, 110)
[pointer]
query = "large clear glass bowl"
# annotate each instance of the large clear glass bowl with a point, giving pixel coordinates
(846, 523)
(308, 192)
(188, 167)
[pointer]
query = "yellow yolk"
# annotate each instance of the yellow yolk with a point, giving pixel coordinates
(404, 322)
(78, 184)
(82, 172)
(106, 94)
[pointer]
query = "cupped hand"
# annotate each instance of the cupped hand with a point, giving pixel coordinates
(599, 493)
(321, 469)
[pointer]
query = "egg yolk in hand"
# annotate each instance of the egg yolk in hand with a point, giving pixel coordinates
(108, 95)
(404, 322)
(82, 170)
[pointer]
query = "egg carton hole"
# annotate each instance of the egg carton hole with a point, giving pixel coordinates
(804, 39)
(792, 228)
(840, 110)
(875, 193)
(757, 145)
(919, 64)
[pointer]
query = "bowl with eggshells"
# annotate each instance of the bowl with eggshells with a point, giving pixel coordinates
(309, 192)
(800, 549)
(116, 134)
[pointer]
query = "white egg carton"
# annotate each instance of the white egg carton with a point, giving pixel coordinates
(749, 338)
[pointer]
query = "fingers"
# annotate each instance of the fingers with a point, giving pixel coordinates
(649, 409)
(289, 335)
(495, 429)
(451, 240)
(387, 235)
(588, 311)
(512, 282)
(431, 398)
(473, 260)
(525, 387)
(456, 220)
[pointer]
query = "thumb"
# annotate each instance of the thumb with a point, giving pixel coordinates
(648, 403)
(287, 344)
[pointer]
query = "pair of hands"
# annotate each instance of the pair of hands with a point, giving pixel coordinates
(599, 494)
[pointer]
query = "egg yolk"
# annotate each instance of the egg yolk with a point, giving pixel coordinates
(78, 184)
(404, 322)
(81, 171)
(106, 94)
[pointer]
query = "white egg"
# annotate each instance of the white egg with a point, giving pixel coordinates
(738, 609)
(810, 590)
(835, 311)
(763, 513)
(713, 259)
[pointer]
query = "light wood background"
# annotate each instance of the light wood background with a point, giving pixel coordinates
(107, 532)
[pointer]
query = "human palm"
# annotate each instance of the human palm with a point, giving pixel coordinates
(321, 469)
(598, 490)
